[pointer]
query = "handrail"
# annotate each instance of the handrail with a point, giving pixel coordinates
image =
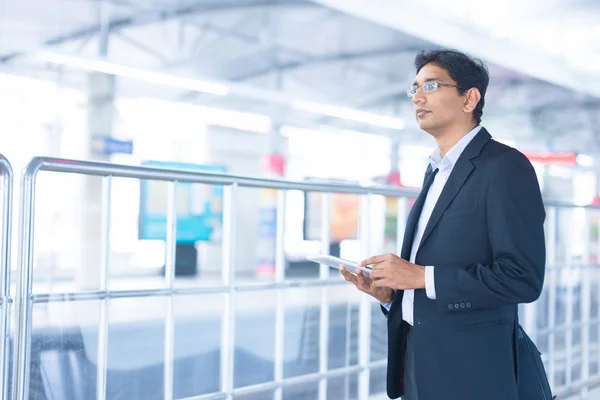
(190, 176)
(6, 172)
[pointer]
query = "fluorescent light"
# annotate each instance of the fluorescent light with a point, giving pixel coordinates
(350, 114)
(134, 73)
(169, 110)
(220, 89)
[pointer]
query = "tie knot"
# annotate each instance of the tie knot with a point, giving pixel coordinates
(429, 175)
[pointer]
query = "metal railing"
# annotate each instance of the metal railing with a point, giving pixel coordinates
(5, 299)
(25, 298)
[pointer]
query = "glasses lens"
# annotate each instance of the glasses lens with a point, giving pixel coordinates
(411, 91)
(429, 87)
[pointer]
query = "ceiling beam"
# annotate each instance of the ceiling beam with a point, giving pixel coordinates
(152, 17)
(327, 59)
(404, 16)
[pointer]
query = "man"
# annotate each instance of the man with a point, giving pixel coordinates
(473, 249)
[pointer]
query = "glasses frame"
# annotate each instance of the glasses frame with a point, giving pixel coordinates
(410, 92)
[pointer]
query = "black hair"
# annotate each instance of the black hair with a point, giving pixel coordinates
(464, 70)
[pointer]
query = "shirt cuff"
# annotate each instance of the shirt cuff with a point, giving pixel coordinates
(429, 282)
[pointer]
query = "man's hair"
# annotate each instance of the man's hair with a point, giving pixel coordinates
(464, 70)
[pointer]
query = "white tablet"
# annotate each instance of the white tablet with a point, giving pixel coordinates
(336, 262)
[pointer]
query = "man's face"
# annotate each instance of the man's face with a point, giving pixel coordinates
(440, 109)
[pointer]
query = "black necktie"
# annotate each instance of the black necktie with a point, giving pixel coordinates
(427, 182)
(415, 212)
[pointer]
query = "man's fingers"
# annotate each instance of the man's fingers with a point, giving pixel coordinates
(381, 282)
(363, 280)
(377, 274)
(349, 276)
(373, 260)
(380, 266)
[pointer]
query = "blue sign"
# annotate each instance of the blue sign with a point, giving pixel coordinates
(106, 145)
(198, 206)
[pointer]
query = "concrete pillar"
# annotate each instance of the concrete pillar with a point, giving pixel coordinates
(100, 116)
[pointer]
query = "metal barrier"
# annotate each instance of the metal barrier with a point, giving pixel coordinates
(26, 299)
(565, 321)
(5, 298)
(556, 319)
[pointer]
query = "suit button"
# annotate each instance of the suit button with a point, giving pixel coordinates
(462, 305)
(450, 306)
(468, 305)
(457, 305)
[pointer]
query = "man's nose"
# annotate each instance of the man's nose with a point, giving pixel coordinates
(418, 97)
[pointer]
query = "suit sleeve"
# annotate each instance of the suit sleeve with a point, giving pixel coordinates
(515, 218)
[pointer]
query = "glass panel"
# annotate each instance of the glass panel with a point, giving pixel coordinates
(297, 244)
(136, 347)
(560, 341)
(560, 373)
(68, 246)
(576, 368)
(541, 341)
(304, 391)
(594, 293)
(199, 256)
(301, 335)
(379, 337)
(594, 333)
(197, 365)
(343, 387)
(247, 204)
(560, 310)
(64, 350)
(542, 309)
(136, 246)
(343, 326)
(254, 337)
(377, 381)
(594, 356)
(576, 297)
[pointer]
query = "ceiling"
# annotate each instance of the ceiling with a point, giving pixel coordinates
(341, 63)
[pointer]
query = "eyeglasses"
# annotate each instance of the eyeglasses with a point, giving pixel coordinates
(428, 87)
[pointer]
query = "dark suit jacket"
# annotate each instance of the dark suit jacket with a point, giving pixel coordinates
(485, 239)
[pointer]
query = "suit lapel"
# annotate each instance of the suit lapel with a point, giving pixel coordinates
(461, 171)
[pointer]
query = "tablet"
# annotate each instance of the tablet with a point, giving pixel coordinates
(335, 262)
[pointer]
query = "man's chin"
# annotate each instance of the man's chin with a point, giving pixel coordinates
(423, 125)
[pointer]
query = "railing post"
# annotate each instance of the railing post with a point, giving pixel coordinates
(364, 316)
(228, 277)
(102, 366)
(7, 208)
(324, 304)
(23, 302)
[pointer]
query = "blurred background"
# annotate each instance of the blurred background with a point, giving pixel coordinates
(311, 91)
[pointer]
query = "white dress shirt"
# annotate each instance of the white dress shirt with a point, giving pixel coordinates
(445, 165)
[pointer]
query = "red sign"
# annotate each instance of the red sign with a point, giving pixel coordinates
(553, 158)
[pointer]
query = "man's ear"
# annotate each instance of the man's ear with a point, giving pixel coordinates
(472, 98)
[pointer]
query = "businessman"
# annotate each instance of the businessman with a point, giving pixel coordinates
(473, 249)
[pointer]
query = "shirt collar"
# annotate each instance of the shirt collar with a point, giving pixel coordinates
(445, 163)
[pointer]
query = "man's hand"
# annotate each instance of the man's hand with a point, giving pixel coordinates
(366, 284)
(391, 271)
